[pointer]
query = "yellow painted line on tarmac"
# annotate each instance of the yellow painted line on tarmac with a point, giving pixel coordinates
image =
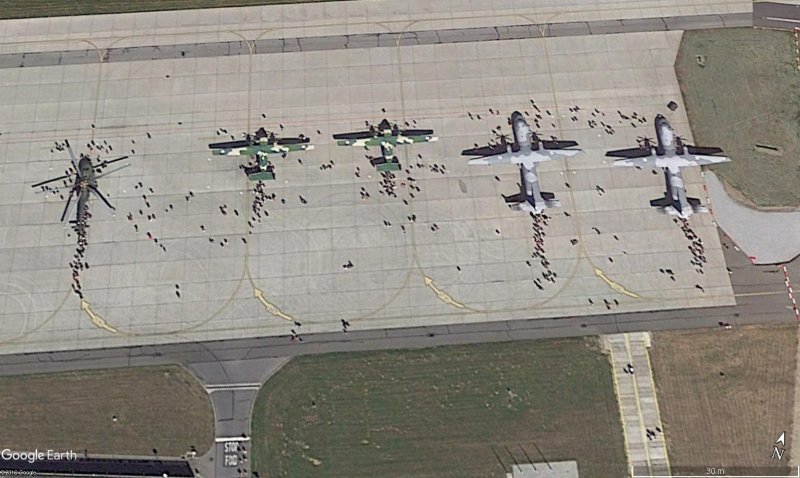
(617, 287)
(271, 308)
(98, 321)
(442, 295)
(638, 406)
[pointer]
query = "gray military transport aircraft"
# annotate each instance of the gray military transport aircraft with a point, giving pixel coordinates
(670, 154)
(526, 150)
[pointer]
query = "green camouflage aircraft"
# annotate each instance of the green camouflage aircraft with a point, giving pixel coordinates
(387, 136)
(259, 147)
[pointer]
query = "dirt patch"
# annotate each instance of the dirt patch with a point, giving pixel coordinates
(731, 420)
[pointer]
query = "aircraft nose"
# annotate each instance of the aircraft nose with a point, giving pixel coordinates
(659, 117)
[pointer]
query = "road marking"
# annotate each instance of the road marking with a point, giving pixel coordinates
(98, 321)
(233, 386)
(230, 439)
(271, 308)
(779, 19)
(617, 288)
(442, 295)
(752, 294)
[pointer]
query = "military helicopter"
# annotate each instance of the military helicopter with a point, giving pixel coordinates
(85, 173)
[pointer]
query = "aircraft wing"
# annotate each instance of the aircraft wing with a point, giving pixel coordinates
(559, 144)
(292, 140)
(702, 150)
(704, 159)
(630, 153)
(416, 132)
(495, 159)
(639, 162)
(242, 143)
(490, 150)
(354, 135)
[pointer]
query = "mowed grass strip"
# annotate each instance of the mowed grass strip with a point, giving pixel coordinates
(156, 407)
(746, 93)
(726, 421)
(56, 8)
(441, 412)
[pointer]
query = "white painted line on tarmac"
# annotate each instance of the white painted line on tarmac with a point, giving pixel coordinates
(779, 19)
(233, 386)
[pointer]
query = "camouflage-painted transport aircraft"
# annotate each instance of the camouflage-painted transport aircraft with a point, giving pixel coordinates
(387, 136)
(259, 146)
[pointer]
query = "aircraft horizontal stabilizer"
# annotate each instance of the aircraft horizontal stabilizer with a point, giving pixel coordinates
(514, 198)
(661, 202)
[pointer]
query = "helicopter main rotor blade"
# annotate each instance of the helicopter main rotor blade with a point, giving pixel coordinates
(51, 180)
(106, 163)
(111, 172)
(72, 157)
(100, 195)
(66, 207)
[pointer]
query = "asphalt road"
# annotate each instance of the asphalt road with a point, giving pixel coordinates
(374, 40)
(781, 16)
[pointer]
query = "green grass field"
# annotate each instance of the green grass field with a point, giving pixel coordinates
(56, 8)
(156, 407)
(456, 411)
(747, 93)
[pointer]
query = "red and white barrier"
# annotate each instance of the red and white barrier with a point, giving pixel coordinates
(789, 288)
